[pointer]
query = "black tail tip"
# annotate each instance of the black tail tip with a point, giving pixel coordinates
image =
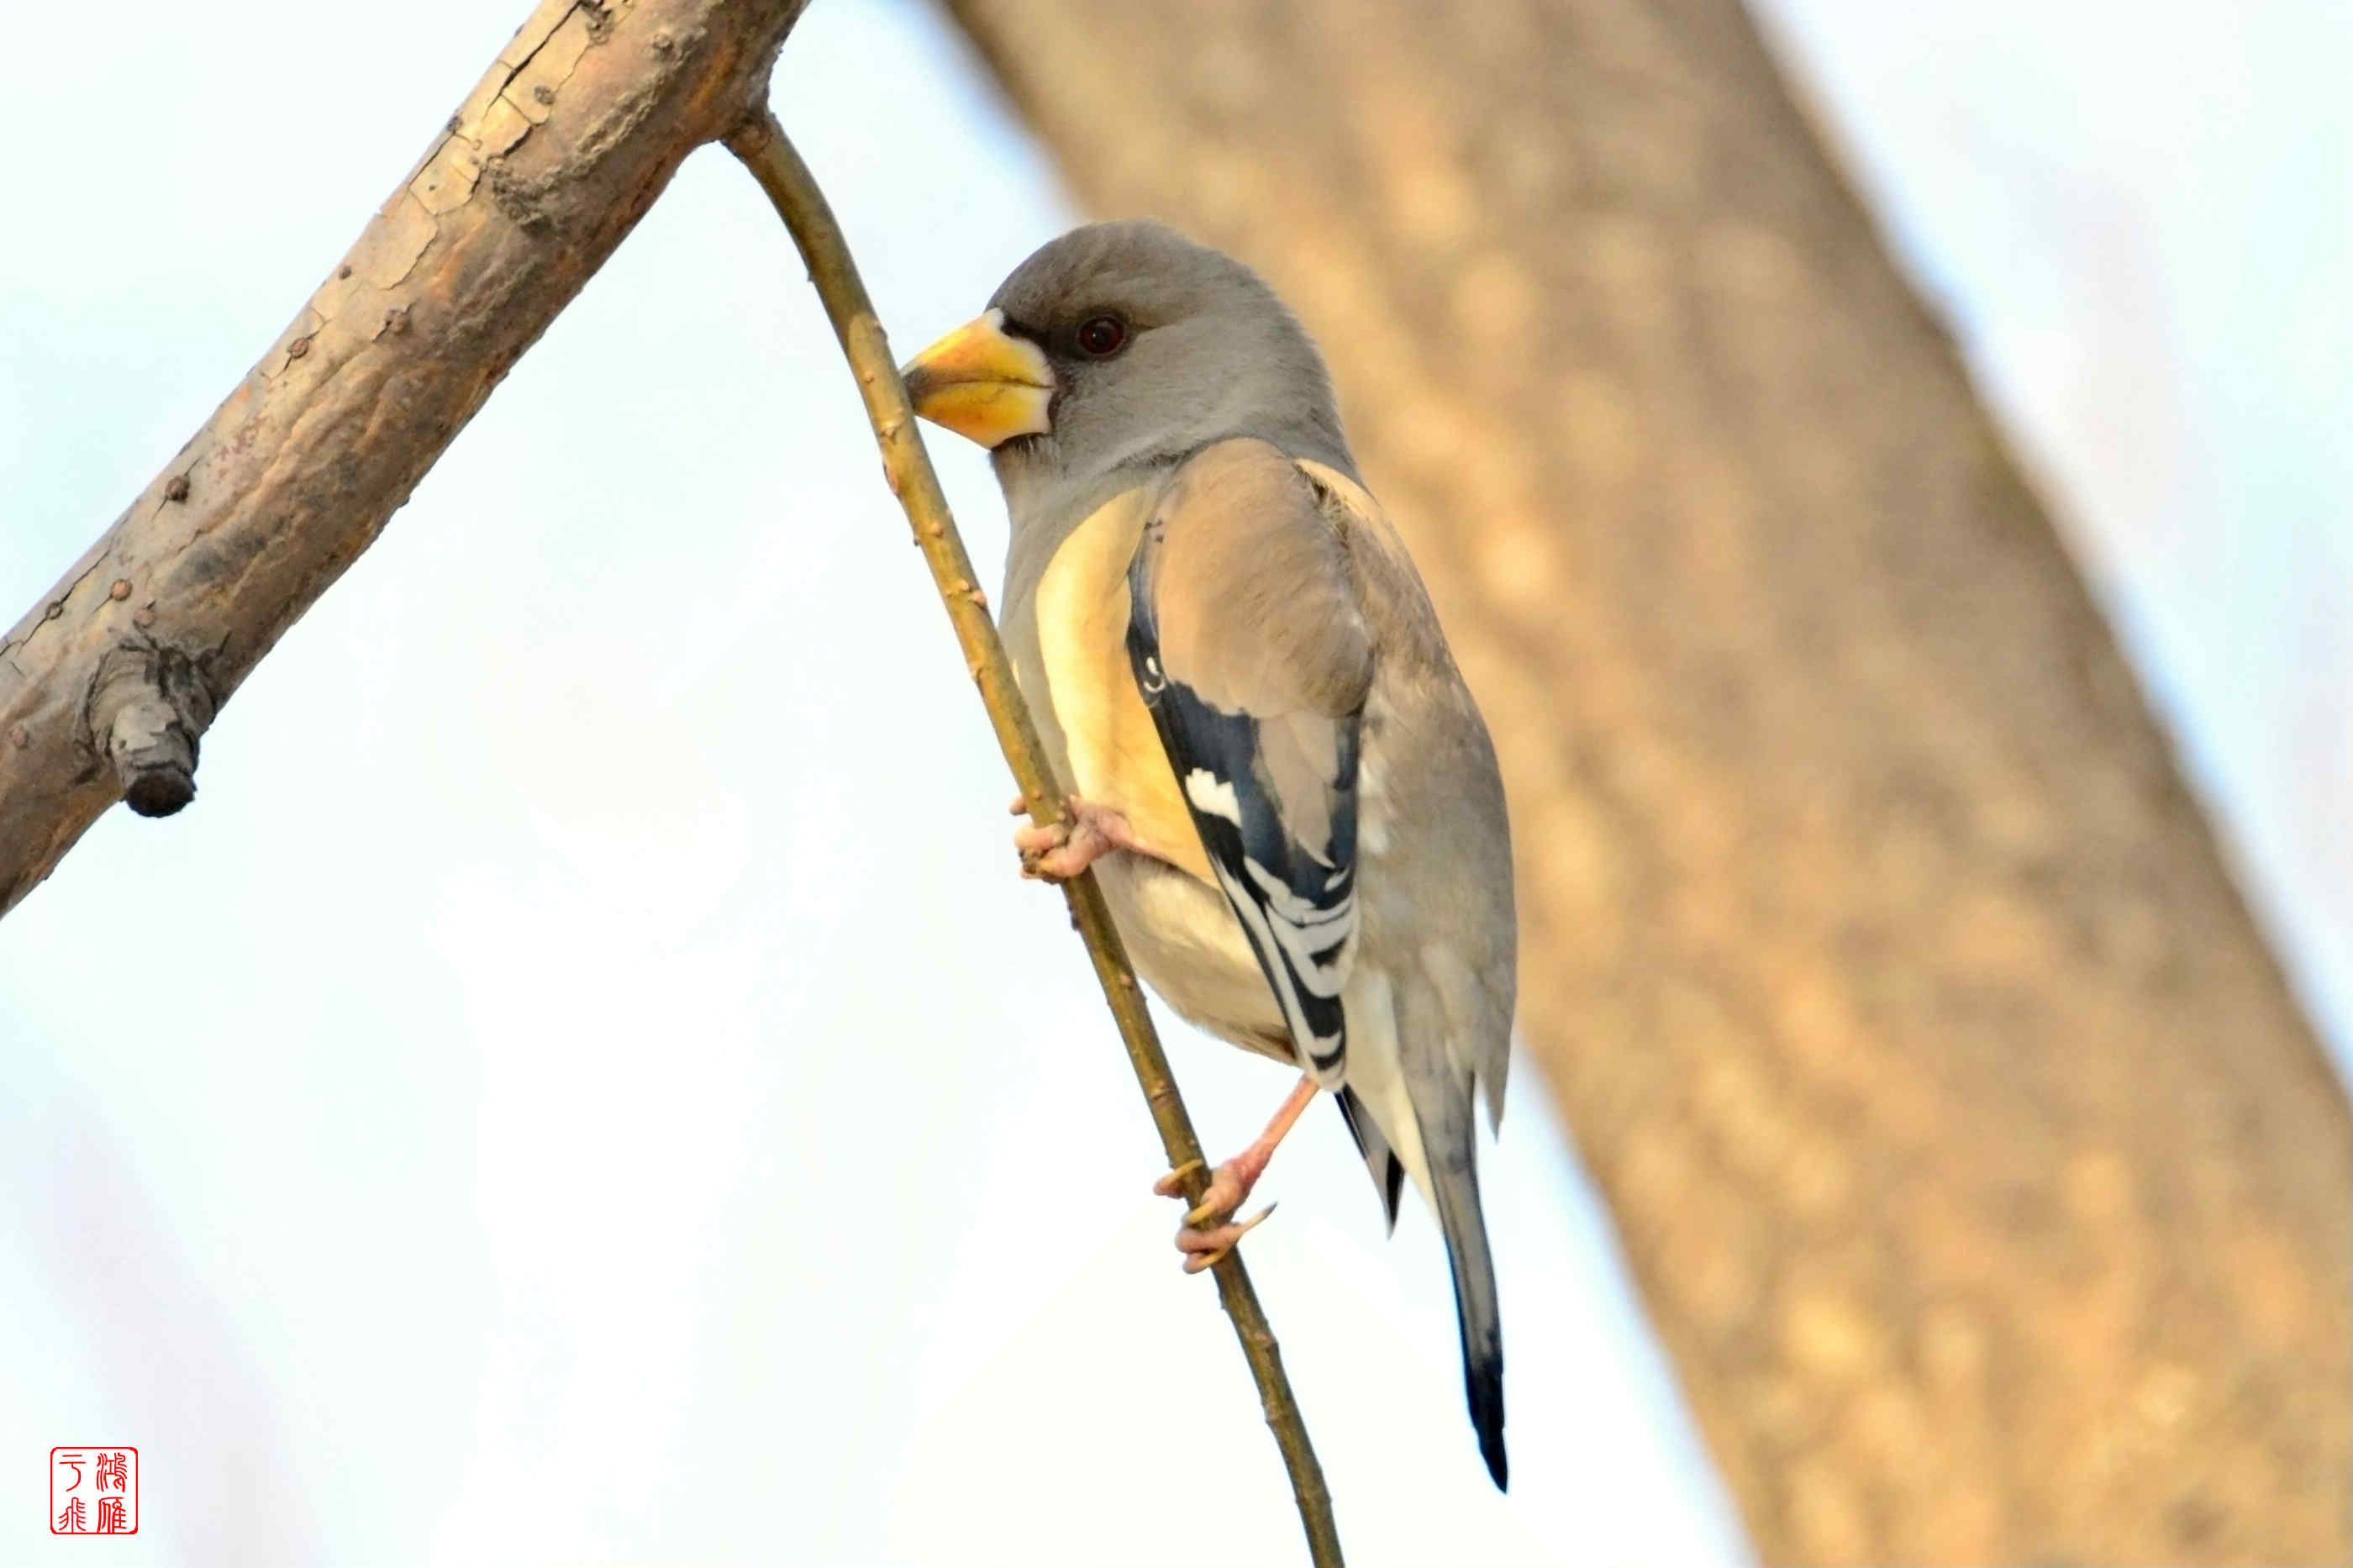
(1491, 1449)
(1486, 1391)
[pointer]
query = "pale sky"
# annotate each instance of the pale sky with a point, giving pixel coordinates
(583, 1083)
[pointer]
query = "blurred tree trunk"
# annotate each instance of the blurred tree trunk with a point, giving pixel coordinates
(1978, 1170)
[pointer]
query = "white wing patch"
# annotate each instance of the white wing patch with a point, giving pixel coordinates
(1323, 1052)
(1315, 938)
(1209, 793)
(1280, 830)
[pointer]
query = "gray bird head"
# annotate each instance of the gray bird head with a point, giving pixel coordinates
(1120, 346)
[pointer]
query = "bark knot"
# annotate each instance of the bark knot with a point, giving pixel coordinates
(147, 706)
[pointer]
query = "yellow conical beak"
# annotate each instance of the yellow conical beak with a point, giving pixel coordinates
(983, 382)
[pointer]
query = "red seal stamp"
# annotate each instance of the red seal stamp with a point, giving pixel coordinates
(94, 1491)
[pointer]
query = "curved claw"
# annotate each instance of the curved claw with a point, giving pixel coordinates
(1204, 1243)
(1171, 1186)
(1040, 846)
(1064, 849)
(1210, 1207)
(1222, 1197)
(1207, 1249)
(1229, 1184)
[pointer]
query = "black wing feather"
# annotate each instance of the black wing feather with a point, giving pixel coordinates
(1296, 902)
(1388, 1171)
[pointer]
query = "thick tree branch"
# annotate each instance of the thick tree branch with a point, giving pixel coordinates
(1988, 1190)
(760, 142)
(108, 682)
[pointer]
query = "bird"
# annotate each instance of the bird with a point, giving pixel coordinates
(1274, 765)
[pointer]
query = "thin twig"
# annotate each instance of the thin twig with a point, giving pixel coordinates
(761, 144)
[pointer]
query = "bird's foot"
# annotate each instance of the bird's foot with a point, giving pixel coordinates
(1085, 835)
(1210, 1230)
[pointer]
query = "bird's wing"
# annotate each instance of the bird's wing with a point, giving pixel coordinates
(1254, 660)
(1432, 816)
(1430, 997)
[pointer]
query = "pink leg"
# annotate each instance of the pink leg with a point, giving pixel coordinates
(1088, 833)
(1230, 1186)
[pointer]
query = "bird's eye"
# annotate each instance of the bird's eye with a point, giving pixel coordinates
(1103, 336)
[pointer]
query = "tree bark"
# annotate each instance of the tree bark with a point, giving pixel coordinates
(107, 684)
(1987, 1188)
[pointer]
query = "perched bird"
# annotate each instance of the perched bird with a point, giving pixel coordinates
(1275, 769)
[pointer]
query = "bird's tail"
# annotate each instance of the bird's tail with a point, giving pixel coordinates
(1409, 1105)
(1454, 1181)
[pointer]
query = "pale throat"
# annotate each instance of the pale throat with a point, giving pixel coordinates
(1114, 754)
